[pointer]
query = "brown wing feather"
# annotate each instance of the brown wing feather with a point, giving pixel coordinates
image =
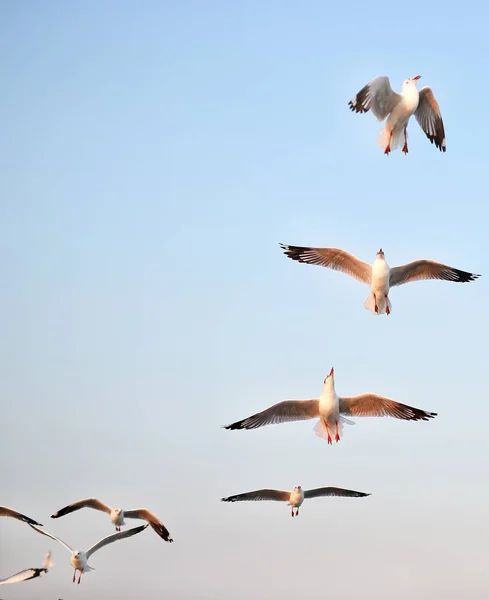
(333, 491)
(333, 258)
(85, 503)
(8, 512)
(428, 269)
(288, 410)
(265, 494)
(156, 524)
(371, 405)
(429, 118)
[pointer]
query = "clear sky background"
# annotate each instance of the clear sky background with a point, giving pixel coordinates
(152, 157)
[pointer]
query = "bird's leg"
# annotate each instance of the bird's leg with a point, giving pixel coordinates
(292, 511)
(376, 308)
(74, 576)
(337, 436)
(388, 147)
(79, 577)
(297, 512)
(330, 441)
(387, 309)
(404, 148)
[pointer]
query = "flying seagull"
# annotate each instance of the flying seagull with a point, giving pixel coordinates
(117, 515)
(384, 102)
(8, 512)
(294, 498)
(79, 559)
(27, 574)
(379, 276)
(332, 411)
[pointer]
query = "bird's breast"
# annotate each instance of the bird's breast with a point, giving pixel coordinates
(380, 277)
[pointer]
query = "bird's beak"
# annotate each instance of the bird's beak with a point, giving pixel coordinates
(416, 78)
(331, 372)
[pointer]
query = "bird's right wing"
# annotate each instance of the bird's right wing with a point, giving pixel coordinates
(266, 494)
(24, 575)
(333, 258)
(53, 537)
(372, 405)
(85, 503)
(333, 491)
(377, 96)
(114, 538)
(288, 410)
(156, 524)
(8, 512)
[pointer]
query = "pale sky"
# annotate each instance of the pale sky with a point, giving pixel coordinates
(152, 157)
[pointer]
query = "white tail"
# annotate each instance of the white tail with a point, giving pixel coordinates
(396, 141)
(321, 431)
(381, 304)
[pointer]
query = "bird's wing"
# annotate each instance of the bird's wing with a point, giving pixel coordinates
(24, 575)
(114, 538)
(371, 405)
(85, 503)
(333, 258)
(46, 563)
(8, 512)
(53, 537)
(146, 515)
(266, 494)
(428, 269)
(288, 410)
(332, 491)
(377, 96)
(429, 118)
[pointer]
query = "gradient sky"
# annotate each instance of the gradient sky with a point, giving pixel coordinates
(152, 157)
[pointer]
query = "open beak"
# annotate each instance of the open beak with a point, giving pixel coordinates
(416, 78)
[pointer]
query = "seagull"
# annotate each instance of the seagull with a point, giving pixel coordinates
(332, 411)
(379, 276)
(8, 512)
(294, 498)
(79, 558)
(117, 515)
(379, 96)
(27, 574)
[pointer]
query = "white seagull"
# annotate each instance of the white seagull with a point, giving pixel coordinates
(295, 498)
(117, 515)
(379, 276)
(331, 410)
(27, 574)
(383, 101)
(79, 559)
(8, 512)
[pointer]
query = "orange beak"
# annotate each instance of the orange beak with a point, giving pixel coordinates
(416, 78)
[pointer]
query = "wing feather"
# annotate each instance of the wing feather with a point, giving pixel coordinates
(8, 512)
(333, 258)
(377, 96)
(372, 405)
(428, 269)
(85, 503)
(333, 491)
(429, 118)
(265, 494)
(283, 412)
(114, 538)
(53, 537)
(146, 515)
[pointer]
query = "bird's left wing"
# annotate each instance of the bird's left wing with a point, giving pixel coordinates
(428, 269)
(53, 537)
(8, 512)
(146, 515)
(114, 538)
(265, 494)
(288, 410)
(429, 118)
(377, 96)
(372, 405)
(332, 491)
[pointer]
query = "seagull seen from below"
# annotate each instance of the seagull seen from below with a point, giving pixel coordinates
(117, 515)
(27, 574)
(296, 497)
(8, 512)
(379, 276)
(79, 559)
(379, 97)
(332, 411)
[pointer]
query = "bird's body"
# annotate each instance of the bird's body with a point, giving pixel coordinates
(117, 515)
(79, 558)
(332, 411)
(295, 498)
(379, 97)
(379, 276)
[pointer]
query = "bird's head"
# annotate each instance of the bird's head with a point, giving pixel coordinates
(117, 511)
(380, 253)
(77, 554)
(410, 83)
(330, 377)
(297, 488)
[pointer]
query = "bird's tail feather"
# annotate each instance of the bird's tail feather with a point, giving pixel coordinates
(382, 303)
(396, 141)
(321, 431)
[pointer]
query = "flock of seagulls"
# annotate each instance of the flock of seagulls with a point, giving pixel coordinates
(330, 410)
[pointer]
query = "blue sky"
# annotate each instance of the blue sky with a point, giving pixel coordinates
(153, 156)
